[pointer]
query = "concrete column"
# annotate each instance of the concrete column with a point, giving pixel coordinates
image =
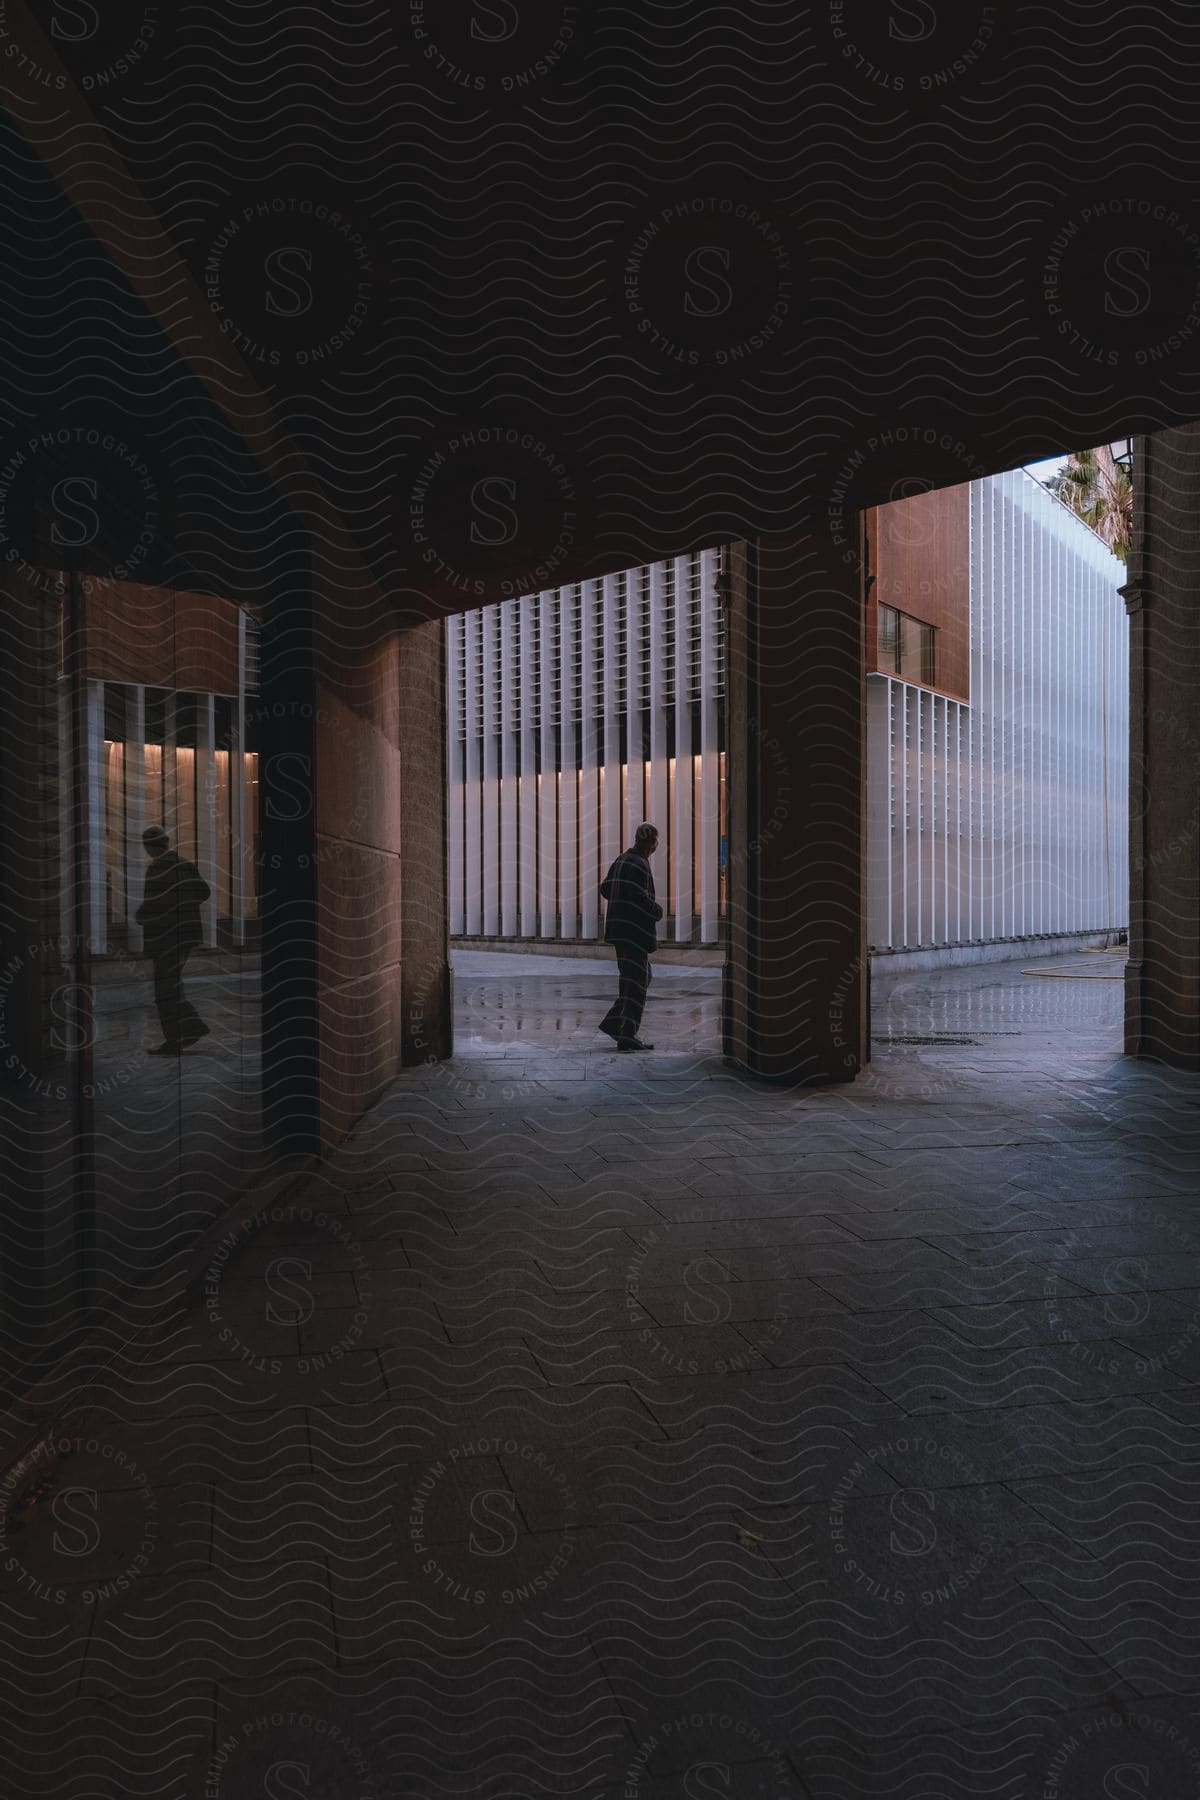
(427, 1006)
(95, 772)
(288, 896)
(1162, 985)
(796, 978)
(47, 1115)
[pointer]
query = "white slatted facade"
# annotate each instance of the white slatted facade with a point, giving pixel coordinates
(1007, 818)
(574, 714)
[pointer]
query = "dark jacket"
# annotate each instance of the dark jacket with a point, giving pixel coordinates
(632, 911)
(170, 911)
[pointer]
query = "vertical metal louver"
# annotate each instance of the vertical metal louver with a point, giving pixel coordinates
(1005, 818)
(574, 714)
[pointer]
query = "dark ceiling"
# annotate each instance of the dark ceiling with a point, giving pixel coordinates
(488, 293)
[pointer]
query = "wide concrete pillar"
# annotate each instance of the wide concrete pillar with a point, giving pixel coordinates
(426, 1032)
(1162, 990)
(287, 884)
(796, 981)
(47, 1110)
(353, 881)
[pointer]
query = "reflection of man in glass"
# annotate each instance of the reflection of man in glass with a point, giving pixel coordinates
(170, 917)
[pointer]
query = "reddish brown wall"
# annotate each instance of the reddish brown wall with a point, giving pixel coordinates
(920, 556)
(160, 638)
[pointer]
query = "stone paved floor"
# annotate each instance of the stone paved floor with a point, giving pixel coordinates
(604, 1426)
(175, 1136)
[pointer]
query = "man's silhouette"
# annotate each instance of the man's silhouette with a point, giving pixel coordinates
(170, 918)
(629, 926)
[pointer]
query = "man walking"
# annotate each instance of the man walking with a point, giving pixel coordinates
(629, 926)
(170, 917)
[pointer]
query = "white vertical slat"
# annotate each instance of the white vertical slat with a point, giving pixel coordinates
(1065, 722)
(568, 791)
(96, 765)
(239, 823)
(490, 790)
(509, 674)
(206, 813)
(635, 803)
(1068, 725)
(1078, 665)
(1043, 576)
(1100, 667)
(1001, 720)
(1051, 582)
(892, 833)
(920, 823)
(937, 812)
(548, 777)
(590, 873)
(1003, 927)
(1052, 724)
(879, 820)
(527, 781)
(979, 714)
(1051, 824)
(1020, 724)
(682, 822)
(1099, 633)
(710, 773)
(1091, 735)
(456, 725)
(659, 752)
(609, 681)
(1013, 702)
(949, 765)
(994, 740)
(1119, 742)
(980, 565)
(957, 822)
(168, 812)
(904, 735)
(901, 927)
(1058, 722)
(473, 750)
(135, 813)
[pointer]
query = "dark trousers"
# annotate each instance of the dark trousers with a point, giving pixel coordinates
(625, 1014)
(177, 1016)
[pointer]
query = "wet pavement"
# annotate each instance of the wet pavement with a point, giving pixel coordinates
(617, 1426)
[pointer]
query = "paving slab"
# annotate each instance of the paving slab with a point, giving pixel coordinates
(626, 1427)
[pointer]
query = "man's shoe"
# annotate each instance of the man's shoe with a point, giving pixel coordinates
(165, 1050)
(630, 1044)
(198, 1030)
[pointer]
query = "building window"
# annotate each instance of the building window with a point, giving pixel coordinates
(907, 646)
